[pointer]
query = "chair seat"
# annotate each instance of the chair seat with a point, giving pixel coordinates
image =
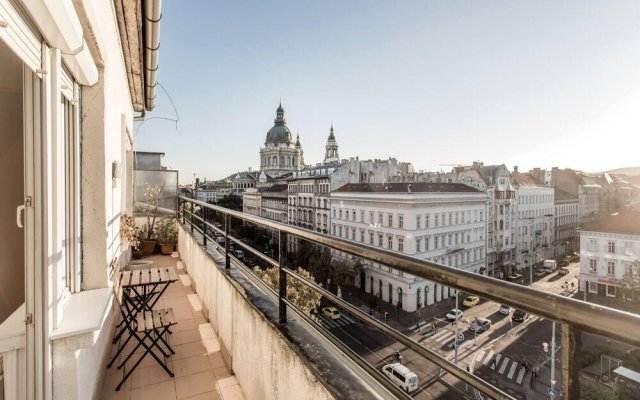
(155, 319)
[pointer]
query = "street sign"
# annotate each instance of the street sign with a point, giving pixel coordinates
(426, 289)
(552, 392)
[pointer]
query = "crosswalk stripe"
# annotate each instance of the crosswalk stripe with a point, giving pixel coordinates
(512, 370)
(520, 376)
(480, 355)
(504, 365)
(498, 357)
(438, 334)
(448, 336)
(488, 357)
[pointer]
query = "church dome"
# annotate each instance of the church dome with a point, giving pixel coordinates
(279, 133)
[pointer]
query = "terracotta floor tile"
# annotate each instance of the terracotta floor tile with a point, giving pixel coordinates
(232, 393)
(161, 391)
(191, 365)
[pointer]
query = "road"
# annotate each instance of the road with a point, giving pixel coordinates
(508, 343)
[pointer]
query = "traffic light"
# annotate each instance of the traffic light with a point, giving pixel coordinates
(386, 316)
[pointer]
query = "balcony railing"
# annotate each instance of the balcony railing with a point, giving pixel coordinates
(574, 316)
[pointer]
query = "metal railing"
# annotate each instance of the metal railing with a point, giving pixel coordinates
(573, 316)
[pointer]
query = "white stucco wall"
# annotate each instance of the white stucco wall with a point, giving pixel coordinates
(265, 366)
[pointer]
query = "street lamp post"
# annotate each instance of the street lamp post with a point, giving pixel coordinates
(455, 339)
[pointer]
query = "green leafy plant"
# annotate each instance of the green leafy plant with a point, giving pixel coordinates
(299, 294)
(167, 231)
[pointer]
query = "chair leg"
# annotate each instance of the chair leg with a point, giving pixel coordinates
(120, 348)
(149, 350)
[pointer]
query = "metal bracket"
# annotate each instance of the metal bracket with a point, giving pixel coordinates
(28, 319)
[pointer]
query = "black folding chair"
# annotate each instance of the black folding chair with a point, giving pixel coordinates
(147, 328)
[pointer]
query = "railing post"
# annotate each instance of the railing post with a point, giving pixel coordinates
(204, 226)
(282, 292)
(191, 216)
(571, 339)
(183, 211)
(227, 262)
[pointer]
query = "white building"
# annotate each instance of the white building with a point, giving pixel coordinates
(495, 180)
(608, 248)
(207, 195)
(567, 212)
(72, 75)
(535, 222)
(441, 222)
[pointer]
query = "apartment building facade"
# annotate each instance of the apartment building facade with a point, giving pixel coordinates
(609, 249)
(439, 222)
(566, 216)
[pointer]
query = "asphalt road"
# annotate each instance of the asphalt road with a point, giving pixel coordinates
(509, 342)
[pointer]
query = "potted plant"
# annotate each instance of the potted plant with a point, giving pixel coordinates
(129, 231)
(167, 235)
(150, 208)
(137, 250)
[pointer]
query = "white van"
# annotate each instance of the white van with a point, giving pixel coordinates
(239, 254)
(401, 376)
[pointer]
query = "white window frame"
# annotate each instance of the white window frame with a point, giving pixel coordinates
(592, 286)
(607, 290)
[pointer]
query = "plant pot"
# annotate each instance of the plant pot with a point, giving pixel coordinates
(137, 254)
(167, 249)
(148, 246)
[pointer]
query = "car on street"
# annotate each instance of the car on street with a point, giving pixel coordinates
(331, 313)
(471, 301)
(563, 263)
(574, 258)
(519, 316)
(563, 271)
(539, 272)
(401, 376)
(479, 325)
(505, 309)
(454, 314)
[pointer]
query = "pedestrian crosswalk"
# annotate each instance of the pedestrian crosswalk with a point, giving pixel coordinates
(333, 323)
(442, 336)
(511, 369)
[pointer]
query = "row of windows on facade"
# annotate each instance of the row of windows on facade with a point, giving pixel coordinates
(535, 213)
(307, 216)
(273, 204)
(535, 198)
(430, 241)
(439, 219)
(307, 202)
(627, 250)
(310, 188)
(284, 161)
(611, 266)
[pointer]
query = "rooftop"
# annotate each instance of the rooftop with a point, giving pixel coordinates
(627, 222)
(415, 187)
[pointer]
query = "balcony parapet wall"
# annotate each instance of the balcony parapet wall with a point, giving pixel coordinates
(269, 363)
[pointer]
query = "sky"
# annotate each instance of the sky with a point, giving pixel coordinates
(434, 83)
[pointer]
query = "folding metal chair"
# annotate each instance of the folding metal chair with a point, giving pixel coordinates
(148, 328)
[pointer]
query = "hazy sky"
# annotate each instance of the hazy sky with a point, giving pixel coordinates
(522, 83)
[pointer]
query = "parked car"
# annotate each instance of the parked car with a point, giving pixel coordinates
(331, 313)
(539, 272)
(454, 314)
(563, 263)
(401, 376)
(563, 271)
(471, 301)
(519, 316)
(505, 309)
(480, 325)
(574, 258)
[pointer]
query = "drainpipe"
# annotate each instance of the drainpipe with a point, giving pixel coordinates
(152, 16)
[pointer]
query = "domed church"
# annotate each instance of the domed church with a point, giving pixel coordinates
(280, 153)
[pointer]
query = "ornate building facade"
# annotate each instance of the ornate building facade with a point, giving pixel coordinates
(280, 154)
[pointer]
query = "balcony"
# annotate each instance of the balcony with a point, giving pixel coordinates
(225, 283)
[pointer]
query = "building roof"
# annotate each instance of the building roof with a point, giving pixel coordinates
(273, 189)
(414, 187)
(627, 221)
(561, 195)
(279, 133)
(525, 179)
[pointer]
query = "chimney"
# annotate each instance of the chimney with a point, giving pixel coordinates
(515, 168)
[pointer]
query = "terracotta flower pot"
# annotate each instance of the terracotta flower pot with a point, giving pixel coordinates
(167, 249)
(148, 246)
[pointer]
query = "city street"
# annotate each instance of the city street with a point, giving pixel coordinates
(498, 355)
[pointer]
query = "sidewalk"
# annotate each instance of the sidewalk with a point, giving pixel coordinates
(397, 318)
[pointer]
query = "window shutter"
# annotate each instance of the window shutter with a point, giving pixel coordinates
(19, 37)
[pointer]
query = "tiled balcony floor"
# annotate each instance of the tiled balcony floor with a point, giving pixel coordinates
(200, 373)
